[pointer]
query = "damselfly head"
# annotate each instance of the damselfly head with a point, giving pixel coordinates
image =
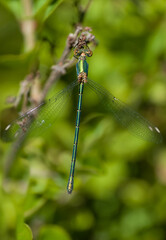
(82, 51)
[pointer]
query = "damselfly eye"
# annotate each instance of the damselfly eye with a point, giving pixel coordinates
(88, 52)
(77, 52)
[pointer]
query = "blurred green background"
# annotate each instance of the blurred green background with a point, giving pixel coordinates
(120, 181)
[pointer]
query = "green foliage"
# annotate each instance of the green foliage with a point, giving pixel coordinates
(120, 181)
(53, 232)
(24, 232)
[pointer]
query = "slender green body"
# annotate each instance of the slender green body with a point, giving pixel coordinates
(82, 72)
(71, 177)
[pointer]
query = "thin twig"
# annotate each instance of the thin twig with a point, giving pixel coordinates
(60, 68)
(82, 11)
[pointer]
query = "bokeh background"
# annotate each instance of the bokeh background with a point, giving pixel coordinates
(120, 181)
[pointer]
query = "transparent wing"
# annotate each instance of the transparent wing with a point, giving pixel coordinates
(38, 119)
(127, 117)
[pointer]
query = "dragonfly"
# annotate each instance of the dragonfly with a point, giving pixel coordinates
(43, 116)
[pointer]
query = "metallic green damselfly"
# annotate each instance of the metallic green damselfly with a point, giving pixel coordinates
(49, 110)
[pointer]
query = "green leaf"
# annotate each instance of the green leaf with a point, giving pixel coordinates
(45, 9)
(24, 232)
(51, 9)
(11, 39)
(40, 8)
(52, 232)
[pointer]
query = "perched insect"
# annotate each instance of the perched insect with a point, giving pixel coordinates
(49, 110)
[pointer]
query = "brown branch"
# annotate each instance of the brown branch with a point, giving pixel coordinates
(60, 69)
(13, 152)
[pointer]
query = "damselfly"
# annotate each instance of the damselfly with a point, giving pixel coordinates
(49, 110)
